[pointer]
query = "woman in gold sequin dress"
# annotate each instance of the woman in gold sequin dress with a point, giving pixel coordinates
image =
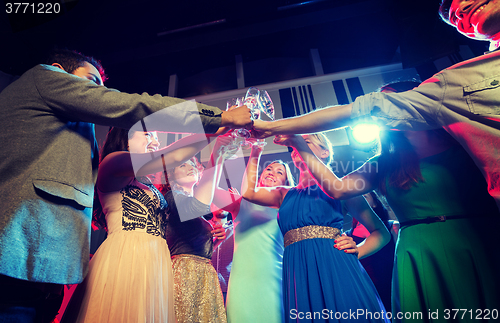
(197, 293)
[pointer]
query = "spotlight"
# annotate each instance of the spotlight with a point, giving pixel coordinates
(365, 133)
(364, 138)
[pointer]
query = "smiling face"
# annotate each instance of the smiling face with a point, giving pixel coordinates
(478, 19)
(143, 142)
(274, 175)
(185, 175)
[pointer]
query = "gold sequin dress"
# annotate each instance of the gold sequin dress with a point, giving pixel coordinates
(197, 292)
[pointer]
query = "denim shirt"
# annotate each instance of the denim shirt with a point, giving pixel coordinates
(464, 99)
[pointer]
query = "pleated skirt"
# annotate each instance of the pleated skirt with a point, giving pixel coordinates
(130, 280)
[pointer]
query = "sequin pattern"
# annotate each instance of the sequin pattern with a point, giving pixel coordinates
(197, 293)
(310, 232)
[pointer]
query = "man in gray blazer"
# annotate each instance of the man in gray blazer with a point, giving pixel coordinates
(48, 167)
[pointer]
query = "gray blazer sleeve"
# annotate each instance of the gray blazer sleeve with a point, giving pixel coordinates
(77, 99)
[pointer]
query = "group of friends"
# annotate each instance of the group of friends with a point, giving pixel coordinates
(438, 170)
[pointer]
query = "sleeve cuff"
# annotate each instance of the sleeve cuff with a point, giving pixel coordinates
(211, 117)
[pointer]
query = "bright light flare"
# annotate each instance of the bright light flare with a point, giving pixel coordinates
(365, 133)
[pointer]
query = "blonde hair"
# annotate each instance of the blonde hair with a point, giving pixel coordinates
(323, 142)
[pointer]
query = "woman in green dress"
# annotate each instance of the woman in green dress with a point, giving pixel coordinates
(255, 291)
(446, 267)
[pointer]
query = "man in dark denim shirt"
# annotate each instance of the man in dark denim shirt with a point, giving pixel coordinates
(464, 99)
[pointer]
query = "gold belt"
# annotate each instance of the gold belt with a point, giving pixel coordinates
(310, 232)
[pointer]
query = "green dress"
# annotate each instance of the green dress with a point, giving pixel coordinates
(449, 265)
(255, 288)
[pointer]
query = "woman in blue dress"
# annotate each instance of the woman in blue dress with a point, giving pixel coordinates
(323, 280)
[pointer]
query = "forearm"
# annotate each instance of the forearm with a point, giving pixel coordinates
(249, 181)
(205, 190)
(379, 236)
(375, 241)
(325, 178)
(226, 200)
(81, 100)
(171, 156)
(351, 185)
(316, 121)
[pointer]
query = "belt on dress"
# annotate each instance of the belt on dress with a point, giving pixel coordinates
(310, 232)
(441, 218)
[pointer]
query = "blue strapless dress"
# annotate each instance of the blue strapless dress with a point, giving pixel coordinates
(321, 283)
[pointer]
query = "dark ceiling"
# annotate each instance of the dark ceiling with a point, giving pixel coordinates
(142, 43)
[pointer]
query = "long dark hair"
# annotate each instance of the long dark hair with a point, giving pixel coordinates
(399, 163)
(116, 140)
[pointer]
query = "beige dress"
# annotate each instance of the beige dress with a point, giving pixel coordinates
(130, 276)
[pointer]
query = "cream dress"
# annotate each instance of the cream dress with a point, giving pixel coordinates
(130, 275)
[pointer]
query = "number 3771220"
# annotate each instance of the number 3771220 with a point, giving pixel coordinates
(33, 8)
(479, 314)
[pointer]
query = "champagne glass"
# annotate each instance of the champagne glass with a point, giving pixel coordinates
(266, 104)
(234, 102)
(229, 151)
(251, 102)
(256, 101)
(259, 142)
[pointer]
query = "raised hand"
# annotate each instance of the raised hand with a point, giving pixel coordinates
(218, 232)
(239, 117)
(234, 191)
(261, 129)
(287, 140)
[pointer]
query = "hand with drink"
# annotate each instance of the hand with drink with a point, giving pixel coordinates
(256, 100)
